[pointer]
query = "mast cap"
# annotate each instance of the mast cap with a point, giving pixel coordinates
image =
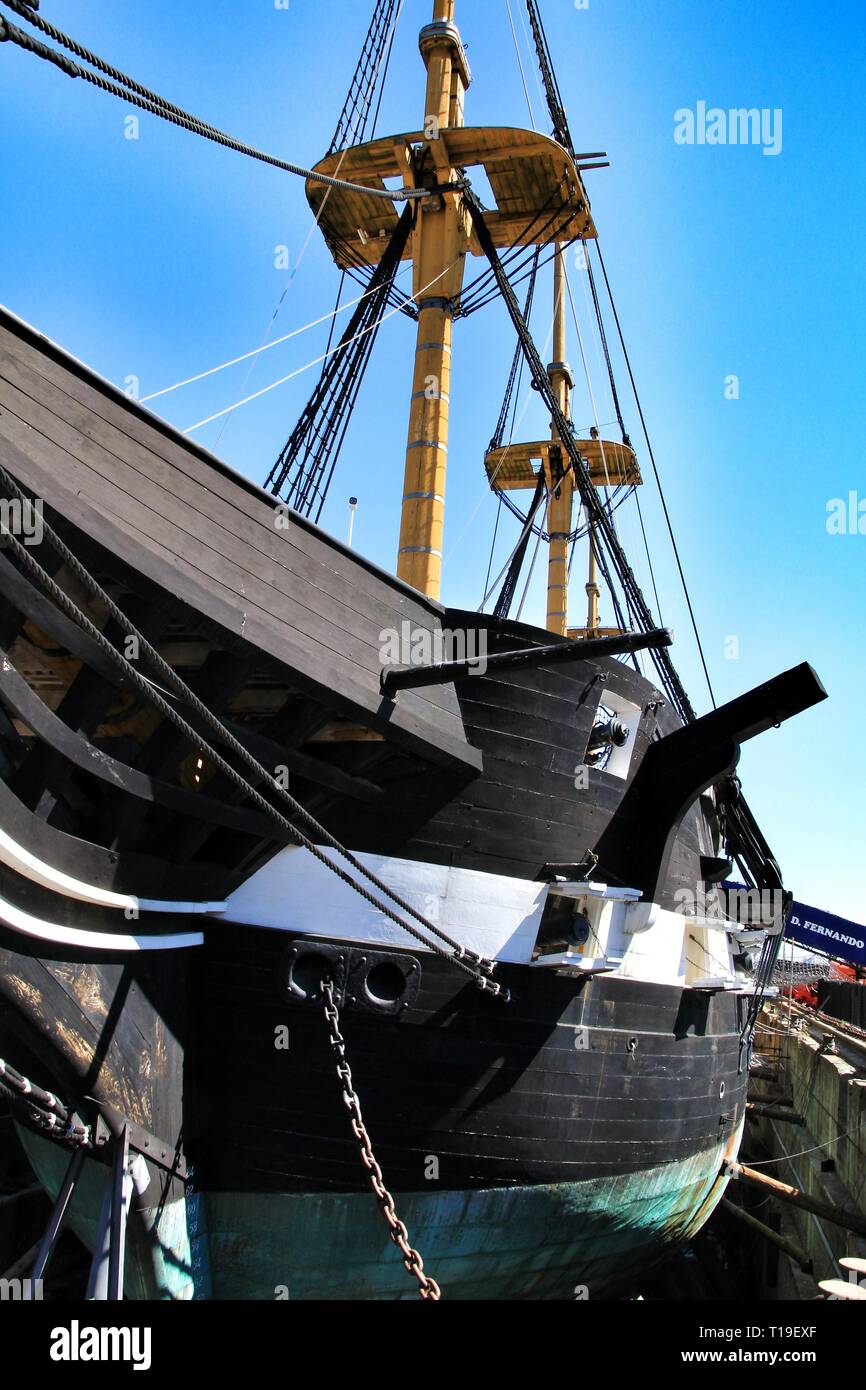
(445, 31)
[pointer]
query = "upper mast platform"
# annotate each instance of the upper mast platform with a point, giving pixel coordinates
(539, 192)
(518, 465)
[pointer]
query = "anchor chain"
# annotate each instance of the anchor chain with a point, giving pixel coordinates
(412, 1261)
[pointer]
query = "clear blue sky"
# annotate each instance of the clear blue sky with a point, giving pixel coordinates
(155, 258)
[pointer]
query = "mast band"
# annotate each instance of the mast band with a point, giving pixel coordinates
(419, 550)
(432, 395)
(430, 496)
(432, 347)
(427, 444)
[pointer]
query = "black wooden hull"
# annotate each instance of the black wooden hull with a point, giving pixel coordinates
(576, 1135)
(500, 1093)
(587, 1118)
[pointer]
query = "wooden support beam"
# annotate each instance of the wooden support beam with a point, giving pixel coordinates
(794, 1252)
(41, 780)
(395, 678)
(845, 1217)
(220, 677)
(78, 752)
(774, 1112)
(761, 1070)
(32, 604)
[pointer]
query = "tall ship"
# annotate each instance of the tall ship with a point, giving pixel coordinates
(354, 946)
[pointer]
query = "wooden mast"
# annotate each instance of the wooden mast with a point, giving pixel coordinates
(539, 199)
(592, 590)
(560, 488)
(439, 245)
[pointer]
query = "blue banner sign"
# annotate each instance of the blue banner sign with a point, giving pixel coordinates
(821, 931)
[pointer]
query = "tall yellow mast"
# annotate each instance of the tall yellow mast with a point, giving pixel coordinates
(440, 241)
(539, 198)
(592, 590)
(560, 488)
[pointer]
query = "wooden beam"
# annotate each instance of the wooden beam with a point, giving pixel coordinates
(219, 677)
(794, 1252)
(80, 753)
(41, 779)
(846, 1217)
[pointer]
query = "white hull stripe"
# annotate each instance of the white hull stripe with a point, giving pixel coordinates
(27, 925)
(493, 914)
(16, 857)
(489, 913)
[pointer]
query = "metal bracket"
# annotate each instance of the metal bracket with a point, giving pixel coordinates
(110, 1122)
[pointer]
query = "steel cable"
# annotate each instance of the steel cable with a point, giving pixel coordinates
(133, 92)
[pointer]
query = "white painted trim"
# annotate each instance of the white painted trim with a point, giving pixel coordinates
(586, 889)
(28, 925)
(492, 914)
(27, 864)
(570, 960)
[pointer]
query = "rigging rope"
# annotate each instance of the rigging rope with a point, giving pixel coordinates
(563, 135)
(132, 92)
(555, 106)
(656, 474)
(469, 961)
(529, 576)
(516, 361)
(614, 394)
(325, 418)
(595, 512)
(493, 542)
(590, 392)
(483, 290)
(41, 1108)
(352, 135)
(502, 607)
(352, 125)
(254, 352)
(520, 65)
(306, 367)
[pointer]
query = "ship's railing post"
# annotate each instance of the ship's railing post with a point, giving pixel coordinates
(106, 1270)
